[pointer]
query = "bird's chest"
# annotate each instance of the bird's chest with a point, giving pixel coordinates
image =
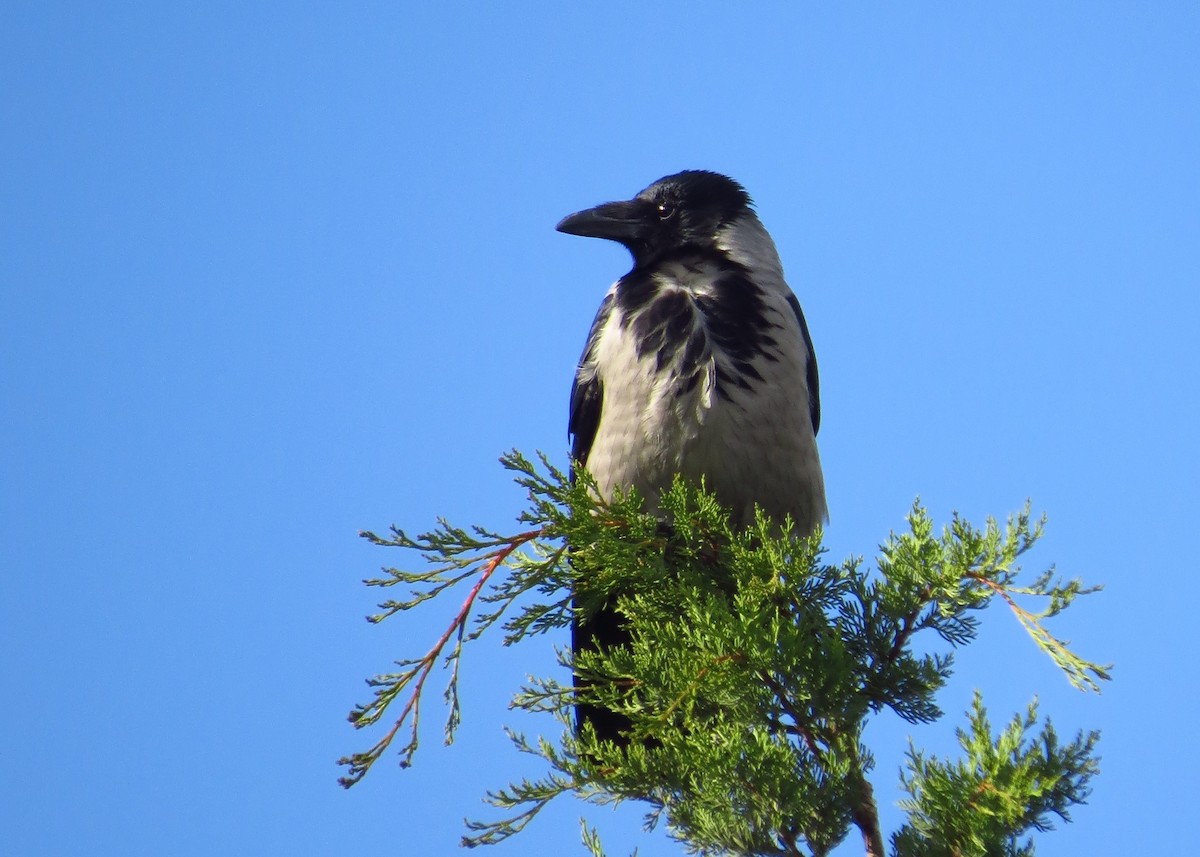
(653, 391)
(711, 389)
(665, 380)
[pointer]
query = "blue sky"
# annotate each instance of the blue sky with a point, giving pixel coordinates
(273, 274)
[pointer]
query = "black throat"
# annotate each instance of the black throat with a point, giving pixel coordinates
(719, 311)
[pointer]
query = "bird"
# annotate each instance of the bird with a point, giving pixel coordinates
(699, 362)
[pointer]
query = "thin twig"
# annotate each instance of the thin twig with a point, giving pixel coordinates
(360, 763)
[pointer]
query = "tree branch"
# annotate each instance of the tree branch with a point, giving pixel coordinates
(391, 686)
(863, 810)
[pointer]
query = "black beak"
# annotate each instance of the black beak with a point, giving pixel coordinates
(616, 221)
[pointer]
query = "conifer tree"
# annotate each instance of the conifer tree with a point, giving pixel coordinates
(753, 668)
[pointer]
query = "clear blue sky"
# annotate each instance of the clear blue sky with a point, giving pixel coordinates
(274, 274)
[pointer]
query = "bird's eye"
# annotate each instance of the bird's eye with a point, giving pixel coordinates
(666, 210)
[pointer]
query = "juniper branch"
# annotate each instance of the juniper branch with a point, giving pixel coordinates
(1082, 673)
(388, 687)
(1001, 789)
(751, 670)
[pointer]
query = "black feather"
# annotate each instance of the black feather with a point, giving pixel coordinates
(587, 392)
(604, 628)
(663, 318)
(664, 326)
(814, 382)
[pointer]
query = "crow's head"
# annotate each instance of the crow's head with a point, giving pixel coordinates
(690, 209)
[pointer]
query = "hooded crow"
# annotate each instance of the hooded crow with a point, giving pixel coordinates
(699, 362)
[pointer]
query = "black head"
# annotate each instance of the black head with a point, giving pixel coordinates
(686, 209)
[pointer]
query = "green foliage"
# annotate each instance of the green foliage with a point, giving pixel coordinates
(983, 804)
(753, 668)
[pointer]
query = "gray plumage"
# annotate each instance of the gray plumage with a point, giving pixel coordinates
(699, 362)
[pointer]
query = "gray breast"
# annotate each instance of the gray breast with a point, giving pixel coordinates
(704, 373)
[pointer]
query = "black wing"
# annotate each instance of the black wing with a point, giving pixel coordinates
(587, 392)
(814, 382)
